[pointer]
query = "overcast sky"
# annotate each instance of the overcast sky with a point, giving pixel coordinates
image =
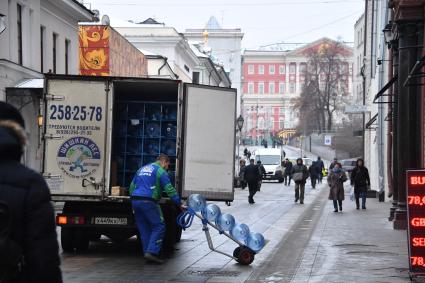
(263, 21)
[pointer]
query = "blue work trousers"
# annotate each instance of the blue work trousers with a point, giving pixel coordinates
(150, 222)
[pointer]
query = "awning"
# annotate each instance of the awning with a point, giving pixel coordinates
(370, 125)
(415, 73)
(384, 89)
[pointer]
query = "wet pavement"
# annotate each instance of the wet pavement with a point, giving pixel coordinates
(306, 243)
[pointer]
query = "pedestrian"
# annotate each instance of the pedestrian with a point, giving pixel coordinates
(242, 166)
(314, 171)
(283, 153)
(262, 171)
(361, 182)
(333, 164)
(252, 177)
(299, 175)
(336, 179)
(249, 155)
(27, 230)
(146, 190)
(245, 152)
(287, 172)
(321, 166)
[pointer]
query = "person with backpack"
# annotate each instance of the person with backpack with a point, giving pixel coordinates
(28, 240)
(299, 175)
(336, 180)
(361, 182)
(262, 171)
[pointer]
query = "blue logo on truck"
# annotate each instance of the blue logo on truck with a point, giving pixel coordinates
(79, 157)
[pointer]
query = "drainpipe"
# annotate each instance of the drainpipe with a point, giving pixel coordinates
(364, 77)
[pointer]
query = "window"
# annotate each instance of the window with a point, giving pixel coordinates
(250, 88)
(195, 77)
(19, 31)
(55, 42)
(281, 69)
(249, 123)
(67, 42)
(261, 123)
(250, 69)
(291, 87)
(292, 68)
(271, 88)
(281, 110)
(42, 33)
(281, 88)
(261, 88)
(261, 69)
(303, 67)
(281, 123)
(271, 123)
(271, 69)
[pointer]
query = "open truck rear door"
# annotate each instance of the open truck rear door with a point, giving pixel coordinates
(76, 137)
(208, 147)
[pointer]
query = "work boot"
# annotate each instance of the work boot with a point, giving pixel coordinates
(153, 258)
(296, 200)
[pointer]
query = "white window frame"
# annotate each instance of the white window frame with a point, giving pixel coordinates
(272, 69)
(290, 68)
(250, 88)
(281, 87)
(261, 69)
(271, 123)
(262, 87)
(282, 70)
(270, 88)
(251, 69)
(281, 123)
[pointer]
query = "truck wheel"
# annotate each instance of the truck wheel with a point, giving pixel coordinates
(67, 240)
(94, 236)
(170, 228)
(81, 240)
(246, 256)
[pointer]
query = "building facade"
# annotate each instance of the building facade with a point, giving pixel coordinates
(225, 47)
(358, 57)
(271, 81)
(41, 36)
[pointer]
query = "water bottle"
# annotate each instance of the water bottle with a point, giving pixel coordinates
(255, 242)
(240, 232)
(211, 212)
(196, 202)
(225, 222)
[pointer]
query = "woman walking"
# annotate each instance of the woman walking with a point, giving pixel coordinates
(336, 180)
(242, 166)
(361, 181)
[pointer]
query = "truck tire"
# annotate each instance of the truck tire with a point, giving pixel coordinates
(81, 240)
(179, 231)
(67, 240)
(169, 214)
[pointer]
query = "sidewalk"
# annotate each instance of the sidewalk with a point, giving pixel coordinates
(355, 246)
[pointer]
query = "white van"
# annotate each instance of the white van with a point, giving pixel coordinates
(271, 158)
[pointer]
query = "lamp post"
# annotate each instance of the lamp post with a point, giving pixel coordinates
(388, 34)
(2, 23)
(239, 123)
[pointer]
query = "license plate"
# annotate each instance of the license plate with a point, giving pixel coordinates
(110, 221)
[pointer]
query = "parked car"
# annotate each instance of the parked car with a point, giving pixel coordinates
(348, 164)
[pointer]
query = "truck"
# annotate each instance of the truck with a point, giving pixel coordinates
(271, 159)
(98, 131)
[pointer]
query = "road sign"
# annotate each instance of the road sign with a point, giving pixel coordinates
(416, 221)
(356, 109)
(328, 140)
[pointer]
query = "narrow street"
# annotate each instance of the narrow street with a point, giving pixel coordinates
(274, 214)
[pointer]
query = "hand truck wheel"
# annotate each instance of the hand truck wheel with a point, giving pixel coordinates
(246, 256)
(236, 252)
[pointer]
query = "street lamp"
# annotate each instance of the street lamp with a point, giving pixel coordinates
(2, 23)
(239, 123)
(388, 34)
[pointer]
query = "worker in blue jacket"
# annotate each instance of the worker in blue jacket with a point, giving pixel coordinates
(146, 190)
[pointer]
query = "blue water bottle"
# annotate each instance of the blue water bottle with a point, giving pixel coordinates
(211, 212)
(255, 242)
(225, 222)
(196, 202)
(240, 232)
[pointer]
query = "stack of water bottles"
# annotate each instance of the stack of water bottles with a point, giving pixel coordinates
(226, 222)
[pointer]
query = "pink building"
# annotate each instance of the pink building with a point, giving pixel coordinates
(270, 80)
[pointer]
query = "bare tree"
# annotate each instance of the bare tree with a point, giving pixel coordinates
(325, 85)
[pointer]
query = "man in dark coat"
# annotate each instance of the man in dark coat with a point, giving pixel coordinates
(321, 166)
(28, 199)
(287, 172)
(314, 171)
(299, 175)
(361, 181)
(252, 177)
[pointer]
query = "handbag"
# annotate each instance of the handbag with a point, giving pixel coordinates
(298, 176)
